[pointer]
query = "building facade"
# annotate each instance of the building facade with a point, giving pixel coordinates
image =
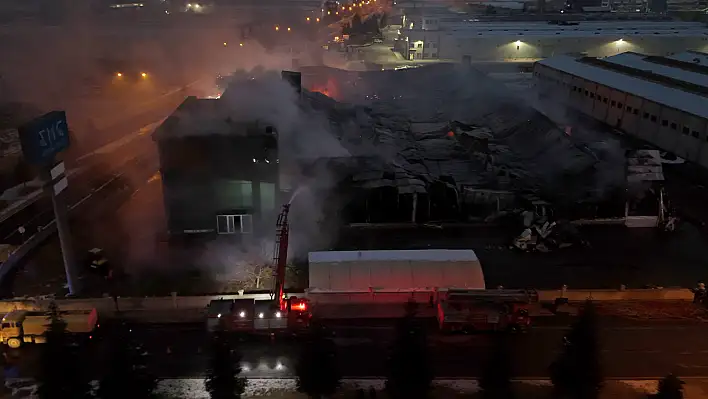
(469, 41)
(661, 100)
(218, 176)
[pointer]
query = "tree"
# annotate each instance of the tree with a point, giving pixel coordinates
(409, 373)
(222, 380)
(671, 387)
(495, 380)
(59, 373)
(317, 370)
(577, 373)
(126, 374)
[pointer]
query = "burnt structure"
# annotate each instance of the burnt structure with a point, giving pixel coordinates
(219, 176)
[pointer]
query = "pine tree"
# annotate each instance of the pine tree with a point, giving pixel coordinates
(409, 373)
(126, 374)
(671, 387)
(59, 374)
(317, 370)
(577, 373)
(495, 380)
(222, 380)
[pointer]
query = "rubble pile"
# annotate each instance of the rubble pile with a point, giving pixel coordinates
(449, 123)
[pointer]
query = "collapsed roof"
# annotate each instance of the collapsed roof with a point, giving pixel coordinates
(408, 128)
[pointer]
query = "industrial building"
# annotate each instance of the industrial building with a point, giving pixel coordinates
(662, 100)
(445, 36)
(219, 176)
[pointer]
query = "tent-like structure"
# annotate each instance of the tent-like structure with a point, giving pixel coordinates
(395, 270)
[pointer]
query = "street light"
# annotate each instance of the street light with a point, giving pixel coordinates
(288, 29)
(144, 75)
(120, 75)
(240, 44)
(308, 19)
(277, 28)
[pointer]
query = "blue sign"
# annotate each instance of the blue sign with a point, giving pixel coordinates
(44, 137)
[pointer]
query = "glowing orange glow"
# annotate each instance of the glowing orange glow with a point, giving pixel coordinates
(277, 28)
(350, 8)
(308, 18)
(450, 134)
(318, 20)
(302, 306)
(329, 89)
(288, 29)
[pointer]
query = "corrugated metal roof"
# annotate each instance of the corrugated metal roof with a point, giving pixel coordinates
(673, 98)
(639, 61)
(423, 255)
(691, 56)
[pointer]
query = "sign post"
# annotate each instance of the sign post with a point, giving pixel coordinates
(42, 139)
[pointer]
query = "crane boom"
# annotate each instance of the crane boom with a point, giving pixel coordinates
(280, 256)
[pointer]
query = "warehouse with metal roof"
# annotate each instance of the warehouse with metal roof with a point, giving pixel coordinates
(461, 40)
(662, 100)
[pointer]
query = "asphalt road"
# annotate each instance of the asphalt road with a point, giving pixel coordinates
(629, 350)
(108, 180)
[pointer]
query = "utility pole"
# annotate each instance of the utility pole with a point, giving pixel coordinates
(42, 139)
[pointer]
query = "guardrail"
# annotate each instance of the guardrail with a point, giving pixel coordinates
(194, 303)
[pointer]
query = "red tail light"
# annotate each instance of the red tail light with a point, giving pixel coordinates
(301, 306)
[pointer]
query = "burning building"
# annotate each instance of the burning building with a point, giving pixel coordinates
(220, 176)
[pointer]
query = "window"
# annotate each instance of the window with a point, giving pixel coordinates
(695, 134)
(653, 118)
(613, 103)
(592, 95)
(629, 109)
(619, 105)
(420, 45)
(685, 130)
(635, 112)
(604, 100)
(664, 122)
(673, 126)
(412, 45)
(433, 45)
(646, 115)
(434, 55)
(232, 224)
(586, 92)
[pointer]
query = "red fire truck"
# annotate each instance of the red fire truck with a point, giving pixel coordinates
(279, 314)
(486, 310)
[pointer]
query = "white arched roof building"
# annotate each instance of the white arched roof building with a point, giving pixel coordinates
(395, 270)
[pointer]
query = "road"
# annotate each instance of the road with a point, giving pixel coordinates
(629, 350)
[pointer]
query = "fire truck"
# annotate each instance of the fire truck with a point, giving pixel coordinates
(485, 310)
(279, 314)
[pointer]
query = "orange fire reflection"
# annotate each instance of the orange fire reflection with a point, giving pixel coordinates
(329, 89)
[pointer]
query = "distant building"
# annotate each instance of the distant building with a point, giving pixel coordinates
(219, 176)
(435, 34)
